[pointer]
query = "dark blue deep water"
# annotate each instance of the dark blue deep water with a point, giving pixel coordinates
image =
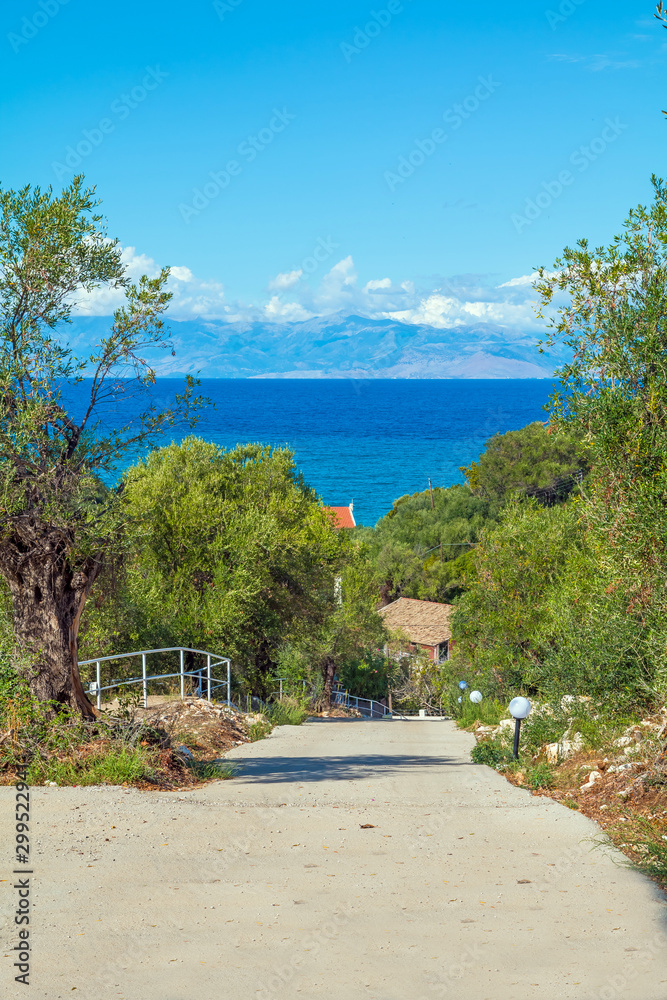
(365, 441)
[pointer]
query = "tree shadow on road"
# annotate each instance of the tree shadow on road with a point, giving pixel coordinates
(338, 768)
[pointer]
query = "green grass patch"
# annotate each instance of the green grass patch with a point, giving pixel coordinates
(540, 776)
(287, 712)
(109, 765)
(259, 730)
(648, 850)
(215, 770)
(489, 712)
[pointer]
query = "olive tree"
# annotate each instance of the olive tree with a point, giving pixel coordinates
(59, 522)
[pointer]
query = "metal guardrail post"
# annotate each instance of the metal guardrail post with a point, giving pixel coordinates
(143, 674)
(98, 675)
(208, 676)
(182, 676)
(281, 688)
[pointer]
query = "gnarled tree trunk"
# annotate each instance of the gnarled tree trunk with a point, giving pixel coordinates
(328, 672)
(48, 597)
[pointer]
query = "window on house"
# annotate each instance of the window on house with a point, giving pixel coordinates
(443, 651)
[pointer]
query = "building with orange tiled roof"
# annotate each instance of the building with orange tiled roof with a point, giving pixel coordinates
(343, 515)
(425, 623)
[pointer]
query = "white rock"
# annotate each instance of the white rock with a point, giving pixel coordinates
(506, 724)
(623, 741)
(551, 751)
(592, 778)
(567, 748)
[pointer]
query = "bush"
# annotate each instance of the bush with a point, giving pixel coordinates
(490, 752)
(540, 776)
(287, 712)
(365, 677)
(259, 730)
(489, 711)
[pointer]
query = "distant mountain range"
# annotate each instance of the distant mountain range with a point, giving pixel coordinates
(339, 346)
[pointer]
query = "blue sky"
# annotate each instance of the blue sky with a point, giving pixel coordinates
(346, 177)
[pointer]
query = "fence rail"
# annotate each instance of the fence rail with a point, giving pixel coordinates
(96, 687)
(367, 706)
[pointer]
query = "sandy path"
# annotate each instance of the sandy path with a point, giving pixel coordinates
(267, 887)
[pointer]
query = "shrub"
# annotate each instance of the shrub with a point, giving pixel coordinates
(490, 752)
(540, 776)
(489, 711)
(259, 730)
(287, 712)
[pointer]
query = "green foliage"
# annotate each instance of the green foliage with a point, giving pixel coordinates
(489, 712)
(528, 459)
(540, 776)
(366, 676)
(233, 553)
(542, 727)
(544, 615)
(59, 521)
(259, 730)
(215, 770)
(405, 544)
(287, 712)
(644, 838)
(489, 752)
(106, 765)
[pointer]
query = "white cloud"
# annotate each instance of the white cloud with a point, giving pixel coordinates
(191, 295)
(459, 301)
(282, 282)
(524, 281)
(375, 286)
(598, 61)
(285, 312)
(182, 274)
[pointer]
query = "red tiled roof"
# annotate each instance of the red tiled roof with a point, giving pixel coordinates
(344, 518)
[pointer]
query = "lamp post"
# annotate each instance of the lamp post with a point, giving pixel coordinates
(462, 686)
(519, 708)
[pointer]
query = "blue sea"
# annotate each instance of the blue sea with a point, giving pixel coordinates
(366, 442)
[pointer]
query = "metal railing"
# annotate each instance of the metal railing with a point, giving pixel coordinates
(367, 706)
(96, 687)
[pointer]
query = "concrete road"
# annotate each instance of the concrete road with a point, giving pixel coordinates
(349, 860)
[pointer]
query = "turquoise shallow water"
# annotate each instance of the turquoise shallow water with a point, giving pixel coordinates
(366, 441)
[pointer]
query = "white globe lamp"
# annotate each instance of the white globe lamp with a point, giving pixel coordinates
(519, 708)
